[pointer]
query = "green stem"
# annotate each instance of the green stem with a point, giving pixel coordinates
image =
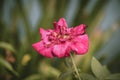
(74, 66)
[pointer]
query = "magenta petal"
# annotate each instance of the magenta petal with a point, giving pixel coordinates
(41, 49)
(62, 22)
(61, 50)
(80, 44)
(44, 33)
(79, 29)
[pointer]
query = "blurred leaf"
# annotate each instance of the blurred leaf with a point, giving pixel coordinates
(23, 15)
(60, 8)
(68, 63)
(48, 70)
(113, 77)
(80, 16)
(7, 46)
(86, 76)
(65, 74)
(33, 77)
(8, 66)
(99, 71)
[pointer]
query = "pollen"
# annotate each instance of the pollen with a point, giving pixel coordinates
(65, 36)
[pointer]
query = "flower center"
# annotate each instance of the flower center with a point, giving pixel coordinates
(56, 38)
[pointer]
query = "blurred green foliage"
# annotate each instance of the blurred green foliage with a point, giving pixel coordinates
(18, 61)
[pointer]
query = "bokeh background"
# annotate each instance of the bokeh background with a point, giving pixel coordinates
(20, 21)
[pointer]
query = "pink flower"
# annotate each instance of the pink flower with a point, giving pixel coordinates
(62, 40)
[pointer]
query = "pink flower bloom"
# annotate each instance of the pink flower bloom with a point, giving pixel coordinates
(62, 40)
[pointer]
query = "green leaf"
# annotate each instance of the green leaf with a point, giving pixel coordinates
(113, 77)
(33, 77)
(99, 71)
(65, 74)
(86, 76)
(68, 63)
(7, 46)
(8, 66)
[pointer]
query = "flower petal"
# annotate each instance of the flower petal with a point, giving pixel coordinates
(44, 35)
(62, 22)
(41, 49)
(61, 26)
(80, 44)
(79, 29)
(61, 50)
